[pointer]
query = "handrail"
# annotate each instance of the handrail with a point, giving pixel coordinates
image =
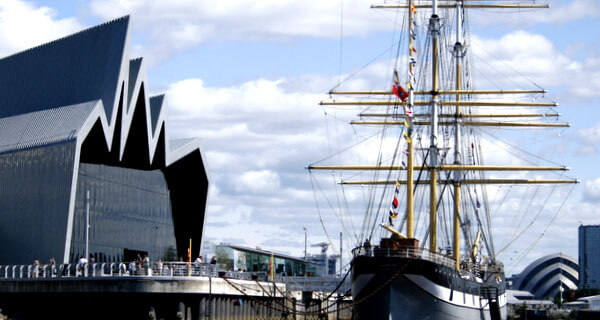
(425, 254)
(121, 269)
(408, 252)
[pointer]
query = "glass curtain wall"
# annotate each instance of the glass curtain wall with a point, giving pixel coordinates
(130, 211)
(237, 260)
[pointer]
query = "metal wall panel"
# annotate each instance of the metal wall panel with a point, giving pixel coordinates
(35, 188)
(128, 209)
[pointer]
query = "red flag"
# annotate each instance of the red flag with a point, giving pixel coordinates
(400, 92)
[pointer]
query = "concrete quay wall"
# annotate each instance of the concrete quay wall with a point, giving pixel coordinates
(143, 284)
(143, 298)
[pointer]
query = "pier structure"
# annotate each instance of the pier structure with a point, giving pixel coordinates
(168, 290)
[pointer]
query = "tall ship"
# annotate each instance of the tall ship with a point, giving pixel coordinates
(425, 250)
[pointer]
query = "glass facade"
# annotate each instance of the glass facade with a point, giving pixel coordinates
(322, 265)
(35, 188)
(130, 211)
(234, 259)
(589, 257)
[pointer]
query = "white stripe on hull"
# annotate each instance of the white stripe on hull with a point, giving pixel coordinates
(416, 297)
(458, 298)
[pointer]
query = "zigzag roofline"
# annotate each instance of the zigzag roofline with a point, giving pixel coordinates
(123, 18)
(82, 95)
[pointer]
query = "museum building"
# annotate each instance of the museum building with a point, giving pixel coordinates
(76, 118)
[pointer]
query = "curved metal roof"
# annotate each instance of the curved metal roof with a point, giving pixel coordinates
(543, 276)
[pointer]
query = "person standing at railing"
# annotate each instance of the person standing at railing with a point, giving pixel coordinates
(35, 272)
(367, 246)
(52, 266)
(146, 265)
(197, 265)
(132, 268)
(159, 267)
(81, 264)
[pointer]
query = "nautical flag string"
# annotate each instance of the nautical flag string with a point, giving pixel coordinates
(400, 92)
(394, 208)
(412, 60)
(407, 136)
(397, 89)
(412, 48)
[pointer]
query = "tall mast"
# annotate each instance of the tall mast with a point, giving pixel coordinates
(434, 28)
(411, 100)
(458, 54)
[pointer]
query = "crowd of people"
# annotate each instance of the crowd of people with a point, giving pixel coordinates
(139, 266)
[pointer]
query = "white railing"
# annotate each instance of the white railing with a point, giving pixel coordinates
(128, 269)
(119, 269)
(404, 252)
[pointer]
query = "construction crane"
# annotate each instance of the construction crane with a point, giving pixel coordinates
(324, 246)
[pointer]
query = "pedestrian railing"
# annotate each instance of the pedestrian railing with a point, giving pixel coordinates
(115, 269)
(129, 269)
(405, 252)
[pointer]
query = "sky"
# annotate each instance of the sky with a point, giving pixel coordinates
(247, 77)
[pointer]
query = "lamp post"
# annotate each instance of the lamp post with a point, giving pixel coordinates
(305, 240)
(87, 224)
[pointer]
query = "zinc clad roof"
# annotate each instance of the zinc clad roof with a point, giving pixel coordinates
(175, 144)
(134, 70)
(156, 104)
(43, 127)
(82, 67)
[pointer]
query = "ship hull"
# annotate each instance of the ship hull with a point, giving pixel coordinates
(406, 288)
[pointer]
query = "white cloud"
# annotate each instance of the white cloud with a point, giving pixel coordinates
(258, 138)
(23, 25)
(239, 19)
(521, 54)
(263, 181)
(588, 140)
(560, 11)
(592, 190)
(177, 25)
(523, 60)
(262, 127)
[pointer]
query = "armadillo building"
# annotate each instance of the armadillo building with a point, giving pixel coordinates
(545, 276)
(76, 117)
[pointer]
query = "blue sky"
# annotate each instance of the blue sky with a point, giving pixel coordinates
(247, 76)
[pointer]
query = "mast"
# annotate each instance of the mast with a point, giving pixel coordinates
(411, 100)
(458, 53)
(453, 116)
(434, 29)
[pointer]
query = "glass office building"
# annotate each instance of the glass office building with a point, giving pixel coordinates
(589, 257)
(238, 258)
(75, 118)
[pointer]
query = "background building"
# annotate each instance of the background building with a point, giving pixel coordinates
(544, 276)
(322, 265)
(75, 117)
(233, 257)
(589, 257)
